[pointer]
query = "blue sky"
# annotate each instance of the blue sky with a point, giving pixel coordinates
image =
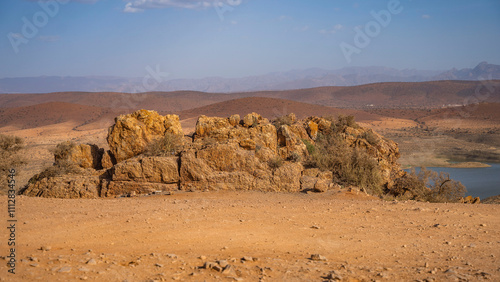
(235, 38)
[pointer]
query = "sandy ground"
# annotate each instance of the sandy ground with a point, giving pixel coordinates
(163, 238)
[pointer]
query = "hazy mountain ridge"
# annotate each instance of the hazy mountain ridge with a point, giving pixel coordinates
(295, 79)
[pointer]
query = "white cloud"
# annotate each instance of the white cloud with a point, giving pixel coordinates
(129, 9)
(141, 5)
(425, 16)
(234, 22)
(335, 28)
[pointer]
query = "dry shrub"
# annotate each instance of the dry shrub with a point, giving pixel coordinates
(10, 147)
(62, 167)
(428, 185)
(283, 120)
(61, 151)
(342, 122)
(350, 166)
(168, 145)
(275, 162)
(294, 157)
(370, 137)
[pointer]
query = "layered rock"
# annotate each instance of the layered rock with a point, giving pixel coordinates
(131, 133)
(66, 187)
(250, 133)
(142, 175)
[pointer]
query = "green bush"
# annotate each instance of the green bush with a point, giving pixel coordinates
(310, 147)
(165, 146)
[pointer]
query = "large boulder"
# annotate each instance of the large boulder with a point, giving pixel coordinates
(287, 178)
(223, 166)
(131, 133)
(82, 155)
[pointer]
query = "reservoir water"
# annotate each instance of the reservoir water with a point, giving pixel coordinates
(480, 182)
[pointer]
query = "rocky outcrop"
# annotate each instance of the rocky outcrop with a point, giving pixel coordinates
(231, 153)
(130, 134)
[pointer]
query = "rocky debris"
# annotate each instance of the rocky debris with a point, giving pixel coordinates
(131, 133)
(65, 269)
(318, 257)
(247, 258)
(320, 186)
(92, 262)
(132, 188)
(45, 248)
(470, 200)
(229, 270)
(315, 180)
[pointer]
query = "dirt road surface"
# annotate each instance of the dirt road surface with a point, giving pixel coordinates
(251, 236)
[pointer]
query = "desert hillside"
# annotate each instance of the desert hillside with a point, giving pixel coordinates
(432, 94)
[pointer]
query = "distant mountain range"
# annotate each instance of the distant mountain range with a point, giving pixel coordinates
(296, 79)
